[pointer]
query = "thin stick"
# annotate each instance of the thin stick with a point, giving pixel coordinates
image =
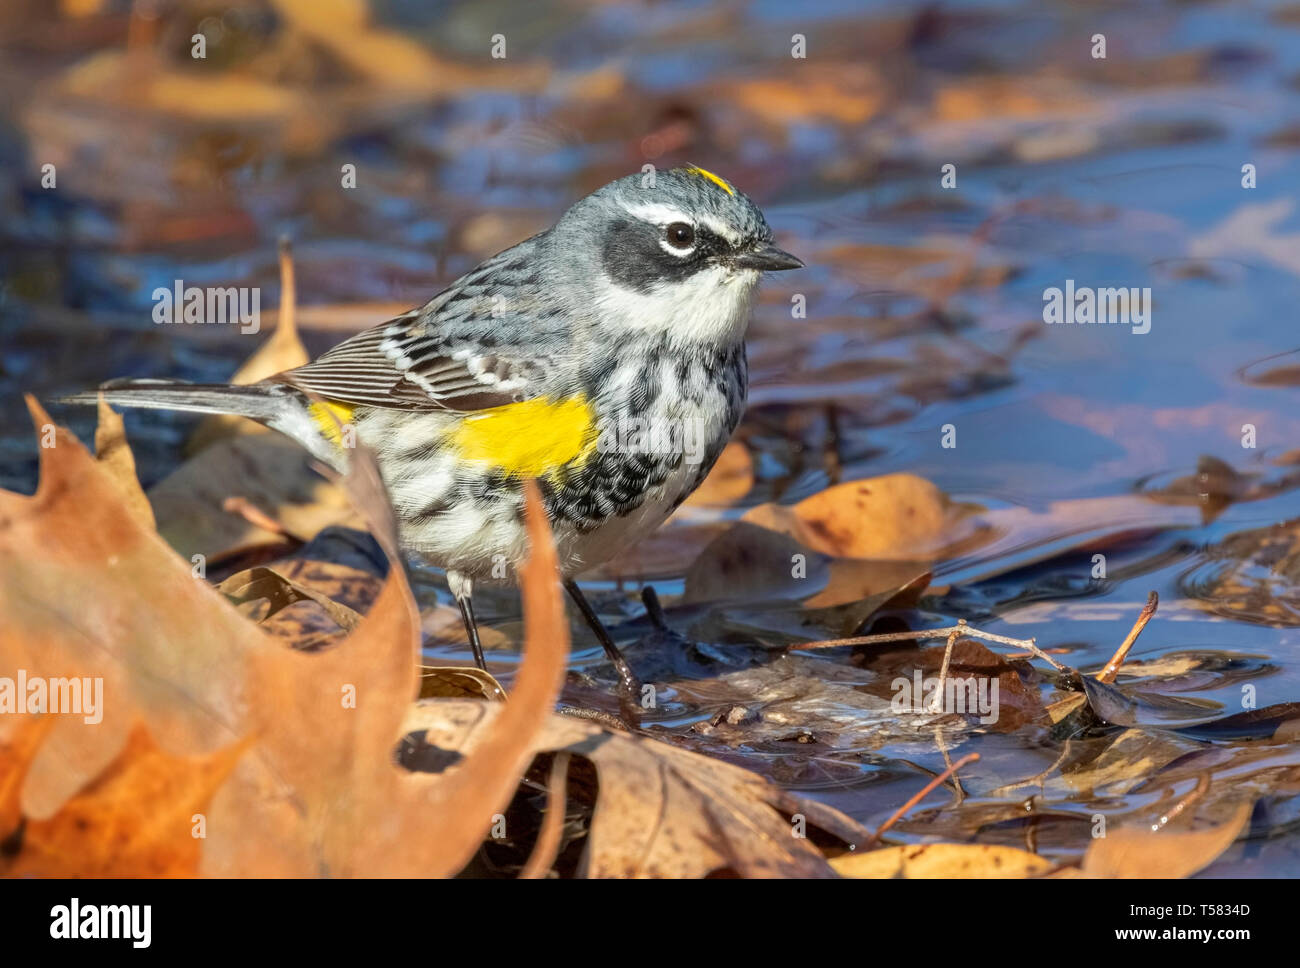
(925, 791)
(947, 761)
(961, 628)
(1111, 670)
(1202, 788)
(254, 515)
(936, 704)
(547, 847)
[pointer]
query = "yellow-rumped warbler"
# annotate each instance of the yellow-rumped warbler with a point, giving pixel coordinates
(604, 357)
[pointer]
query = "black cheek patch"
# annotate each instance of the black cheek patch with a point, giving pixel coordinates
(634, 259)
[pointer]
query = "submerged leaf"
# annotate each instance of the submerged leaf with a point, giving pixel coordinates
(1136, 852)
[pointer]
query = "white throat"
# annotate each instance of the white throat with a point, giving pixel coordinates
(711, 307)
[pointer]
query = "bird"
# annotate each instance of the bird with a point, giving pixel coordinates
(603, 357)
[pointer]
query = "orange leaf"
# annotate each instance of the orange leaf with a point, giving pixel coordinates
(136, 818)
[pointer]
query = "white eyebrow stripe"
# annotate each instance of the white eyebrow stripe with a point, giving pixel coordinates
(720, 228)
(658, 214)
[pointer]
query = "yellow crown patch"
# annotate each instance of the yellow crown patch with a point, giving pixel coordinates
(696, 170)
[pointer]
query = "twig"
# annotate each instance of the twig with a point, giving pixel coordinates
(925, 791)
(1037, 779)
(961, 628)
(547, 847)
(1201, 789)
(1111, 670)
(947, 761)
(936, 704)
(254, 515)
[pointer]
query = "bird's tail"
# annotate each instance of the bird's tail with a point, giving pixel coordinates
(261, 402)
(277, 405)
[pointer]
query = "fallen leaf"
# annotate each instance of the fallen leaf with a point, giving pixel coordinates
(279, 592)
(391, 59)
(269, 471)
(662, 811)
(915, 861)
(459, 682)
(329, 797)
(114, 454)
(143, 81)
(1168, 853)
(135, 819)
(731, 479)
(895, 517)
(848, 94)
(283, 350)
(17, 750)
(106, 598)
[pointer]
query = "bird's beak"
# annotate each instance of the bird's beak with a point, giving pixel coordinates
(767, 258)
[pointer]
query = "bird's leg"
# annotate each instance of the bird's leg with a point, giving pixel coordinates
(629, 686)
(462, 587)
(471, 629)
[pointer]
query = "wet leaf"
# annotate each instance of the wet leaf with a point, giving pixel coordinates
(1169, 853)
(662, 811)
(942, 860)
(1271, 722)
(1119, 708)
(459, 682)
(897, 517)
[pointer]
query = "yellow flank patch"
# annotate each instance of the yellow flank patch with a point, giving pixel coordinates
(713, 178)
(329, 417)
(529, 439)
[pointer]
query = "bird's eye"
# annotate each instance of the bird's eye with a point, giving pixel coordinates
(680, 235)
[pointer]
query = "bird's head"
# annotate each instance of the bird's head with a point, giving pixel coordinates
(678, 250)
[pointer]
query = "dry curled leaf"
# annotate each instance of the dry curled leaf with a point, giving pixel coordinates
(137, 818)
(316, 791)
(114, 454)
(279, 592)
(107, 598)
(327, 796)
(663, 811)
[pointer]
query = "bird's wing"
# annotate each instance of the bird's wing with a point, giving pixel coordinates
(478, 344)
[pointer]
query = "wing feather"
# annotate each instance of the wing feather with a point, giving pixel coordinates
(472, 347)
